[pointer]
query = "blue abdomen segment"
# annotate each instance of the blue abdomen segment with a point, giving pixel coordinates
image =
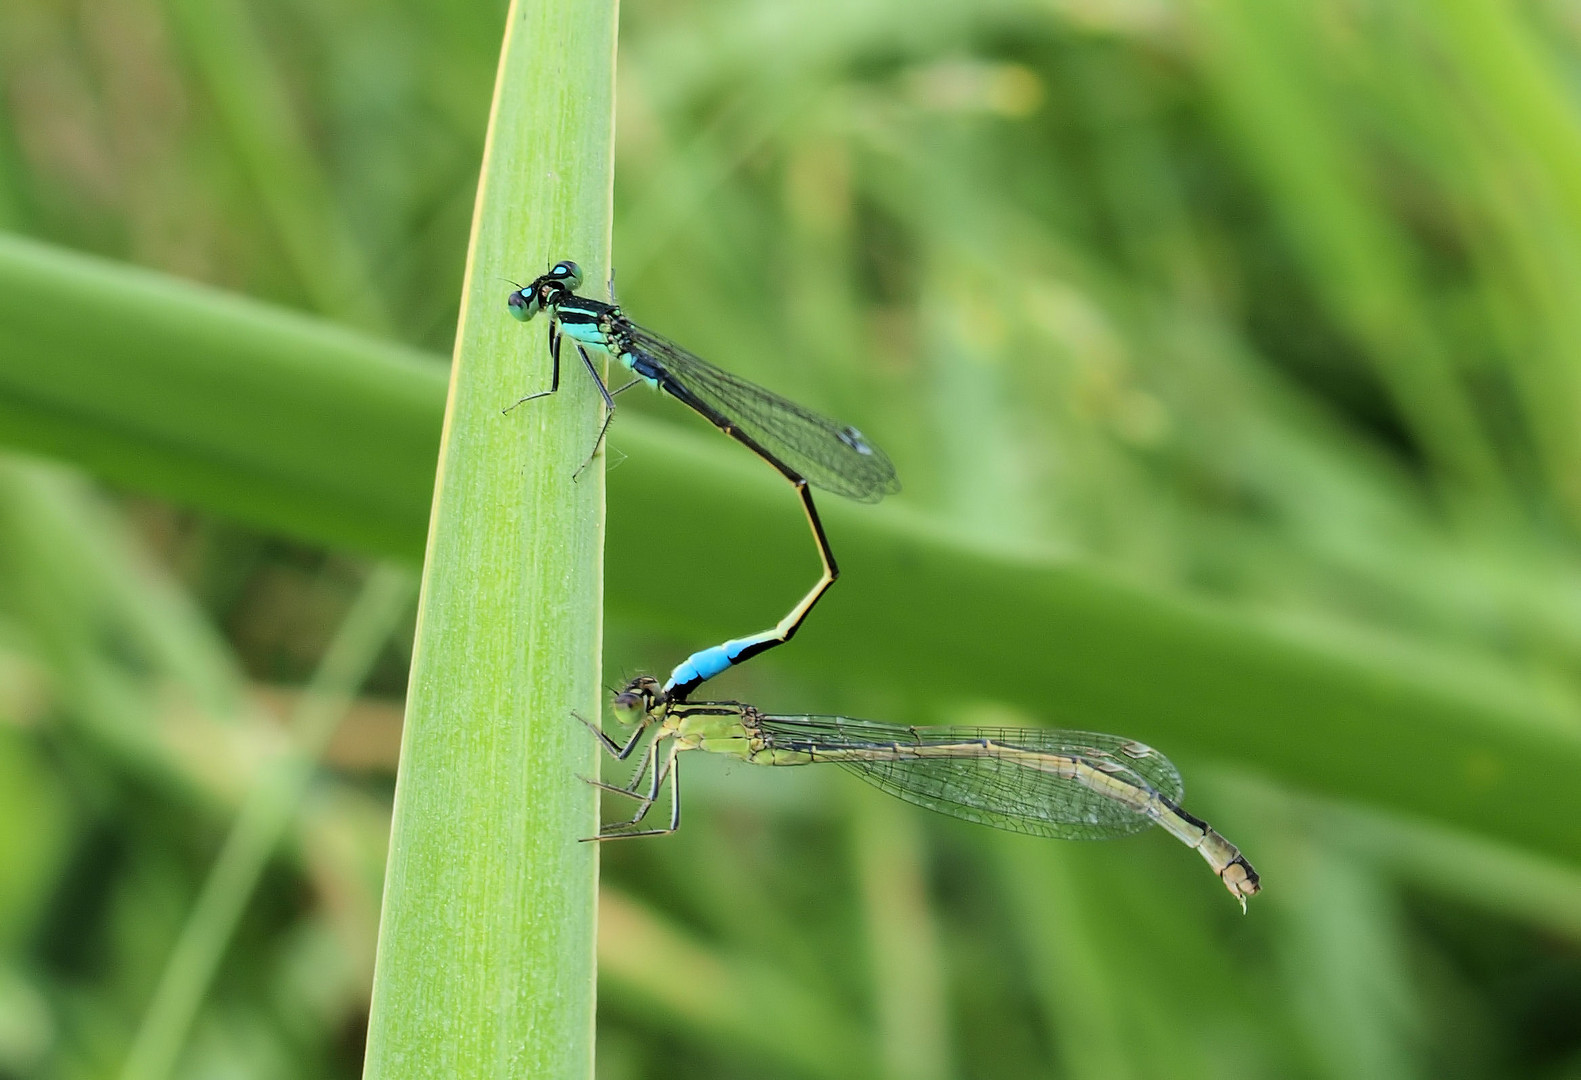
(702, 666)
(644, 369)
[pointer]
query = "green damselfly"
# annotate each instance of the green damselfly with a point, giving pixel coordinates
(1071, 785)
(802, 446)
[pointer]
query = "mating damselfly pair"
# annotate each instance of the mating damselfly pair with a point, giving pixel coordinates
(800, 445)
(1045, 782)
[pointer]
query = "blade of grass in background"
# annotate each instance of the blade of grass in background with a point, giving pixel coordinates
(909, 1004)
(290, 394)
(1540, 891)
(264, 817)
(1345, 951)
(1067, 644)
(256, 115)
(1356, 253)
(1078, 989)
(486, 941)
(725, 998)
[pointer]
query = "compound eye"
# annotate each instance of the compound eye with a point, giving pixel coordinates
(523, 305)
(569, 273)
(639, 695)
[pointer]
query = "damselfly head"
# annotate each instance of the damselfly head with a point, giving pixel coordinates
(548, 290)
(640, 697)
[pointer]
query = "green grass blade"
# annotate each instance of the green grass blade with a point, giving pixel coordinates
(1068, 644)
(1343, 945)
(1078, 988)
(654, 967)
(486, 943)
(263, 820)
(207, 398)
(1357, 256)
(253, 103)
(1500, 878)
(910, 1000)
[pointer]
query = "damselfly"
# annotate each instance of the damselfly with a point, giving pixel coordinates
(1072, 785)
(802, 446)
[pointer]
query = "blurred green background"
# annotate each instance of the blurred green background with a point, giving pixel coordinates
(1253, 309)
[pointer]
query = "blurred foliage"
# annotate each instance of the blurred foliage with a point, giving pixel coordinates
(1256, 301)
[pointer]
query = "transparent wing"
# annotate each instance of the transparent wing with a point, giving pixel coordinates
(1072, 785)
(826, 454)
